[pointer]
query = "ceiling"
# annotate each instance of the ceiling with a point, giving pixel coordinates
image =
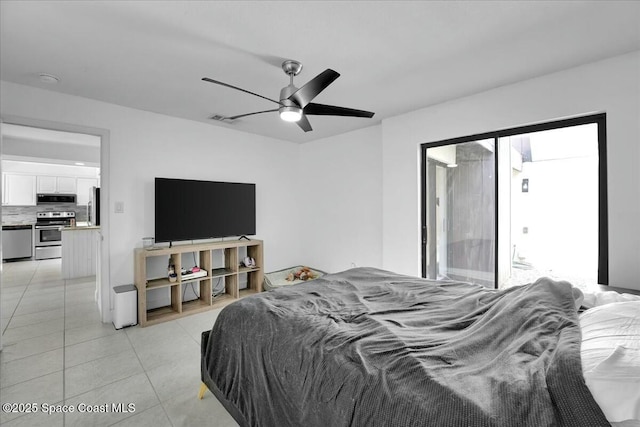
(38, 145)
(393, 57)
(30, 133)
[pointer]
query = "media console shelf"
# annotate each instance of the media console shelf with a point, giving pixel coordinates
(227, 276)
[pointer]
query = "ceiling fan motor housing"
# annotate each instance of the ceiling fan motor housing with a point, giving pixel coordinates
(288, 107)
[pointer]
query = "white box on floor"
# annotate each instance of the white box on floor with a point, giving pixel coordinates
(125, 306)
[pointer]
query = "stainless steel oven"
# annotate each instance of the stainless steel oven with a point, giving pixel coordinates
(48, 233)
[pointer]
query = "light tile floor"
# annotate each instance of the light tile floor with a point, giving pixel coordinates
(57, 352)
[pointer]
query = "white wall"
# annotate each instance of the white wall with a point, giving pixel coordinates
(341, 200)
(144, 145)
(611, 86)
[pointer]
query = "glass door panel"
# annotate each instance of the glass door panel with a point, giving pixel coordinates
(554, 205)
(460, 212)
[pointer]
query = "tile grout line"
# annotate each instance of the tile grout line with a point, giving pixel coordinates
(25, 290)
(134, 414)
(148, 379)
(64, 349)
(70, 290)
(101, 386)
(20, 300)
(67, 291)
(13, 315)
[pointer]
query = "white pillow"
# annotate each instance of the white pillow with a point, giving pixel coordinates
(611, 358)
(594, 299)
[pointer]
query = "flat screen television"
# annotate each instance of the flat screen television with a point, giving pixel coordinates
(189, 209)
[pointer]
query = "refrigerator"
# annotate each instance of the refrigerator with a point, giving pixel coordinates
(94, 206)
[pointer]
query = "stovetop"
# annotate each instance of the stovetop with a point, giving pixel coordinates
(54, 218)
(55, 214)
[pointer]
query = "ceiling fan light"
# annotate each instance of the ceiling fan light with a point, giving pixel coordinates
(290, 114)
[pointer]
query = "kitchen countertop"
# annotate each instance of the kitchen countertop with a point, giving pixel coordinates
(79, 226)
(4, 223)
(82, 226)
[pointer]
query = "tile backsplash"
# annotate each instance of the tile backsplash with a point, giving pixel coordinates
(28, 213)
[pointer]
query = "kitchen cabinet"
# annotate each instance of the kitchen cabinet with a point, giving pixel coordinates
(18, 189)
(66, 184)
(84, 190)
(47, 184)
(79, 251)
(56, 184)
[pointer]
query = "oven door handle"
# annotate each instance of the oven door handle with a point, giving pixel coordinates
(49, 227)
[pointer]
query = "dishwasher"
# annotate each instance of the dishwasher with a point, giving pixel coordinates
(17, 241)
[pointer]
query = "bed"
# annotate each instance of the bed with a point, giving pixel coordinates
(368, 347)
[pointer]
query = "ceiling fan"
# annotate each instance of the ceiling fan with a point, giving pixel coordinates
(295, 103)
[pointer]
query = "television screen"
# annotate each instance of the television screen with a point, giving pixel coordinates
(190, 209)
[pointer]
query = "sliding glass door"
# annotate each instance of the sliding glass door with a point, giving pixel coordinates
(460, 215)
(505, 208)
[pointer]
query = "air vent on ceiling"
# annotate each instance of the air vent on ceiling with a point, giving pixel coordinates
(220, 118)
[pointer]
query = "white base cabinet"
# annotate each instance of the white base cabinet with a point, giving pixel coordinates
(79, 252)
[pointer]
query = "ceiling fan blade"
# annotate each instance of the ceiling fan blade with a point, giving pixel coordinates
(207, 79)
(332, 110)
(250, 114)
(306, 93)
(304, 124)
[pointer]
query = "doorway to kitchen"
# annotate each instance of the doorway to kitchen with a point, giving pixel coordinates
(504, 208)
(61, 164)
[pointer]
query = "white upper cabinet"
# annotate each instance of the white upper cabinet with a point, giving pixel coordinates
(57, 184)
(66, 184)
(22, 180)
(18, 190)
(47, 184)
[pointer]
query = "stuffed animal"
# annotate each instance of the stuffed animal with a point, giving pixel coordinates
(304, 274)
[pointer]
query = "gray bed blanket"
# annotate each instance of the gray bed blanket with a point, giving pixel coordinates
(368, 347)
